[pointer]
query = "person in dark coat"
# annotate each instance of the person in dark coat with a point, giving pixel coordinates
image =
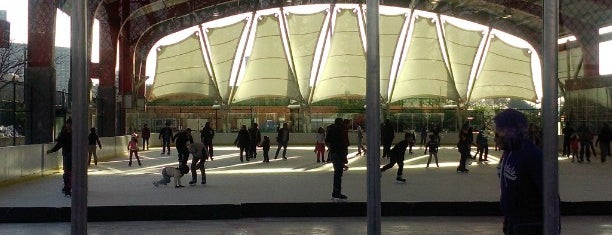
(568, 131)
(265, 145)
(93, 142)
(165, 135)
(423, 136)
(411, 137)
(603, 140)
(396, 156)
(243, 142)
(255, 139)
(386, 137)
(64, 142)
(338, 150)
(181, 140)
(282, 138)
(520, 175)
(206, 135)
(146, 134)
(463, 146)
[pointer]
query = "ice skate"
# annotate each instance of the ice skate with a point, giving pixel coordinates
(400, 180)
(339, 198)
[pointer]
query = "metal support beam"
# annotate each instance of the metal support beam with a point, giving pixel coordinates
(79, 76)
(373, 117)
(550, 167)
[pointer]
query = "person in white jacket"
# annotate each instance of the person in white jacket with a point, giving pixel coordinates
(174, 172)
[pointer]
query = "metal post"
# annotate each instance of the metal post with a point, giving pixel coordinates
(550, 167)
(79, 76)
(373, 117)
(14, 111)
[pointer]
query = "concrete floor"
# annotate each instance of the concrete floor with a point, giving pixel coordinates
(579, 225)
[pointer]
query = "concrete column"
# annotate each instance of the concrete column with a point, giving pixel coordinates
(107, 109)
(39, 98)
(40, 73)
(107, 98)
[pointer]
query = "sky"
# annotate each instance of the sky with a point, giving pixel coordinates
(17, 16)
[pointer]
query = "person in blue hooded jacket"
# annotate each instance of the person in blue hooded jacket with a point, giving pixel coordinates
(520, 174)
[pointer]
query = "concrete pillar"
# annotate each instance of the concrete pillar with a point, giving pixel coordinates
(126, 75)
(40, 73)
(107, 99)
(107, 109)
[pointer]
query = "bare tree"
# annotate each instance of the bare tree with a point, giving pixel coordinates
(12, 59)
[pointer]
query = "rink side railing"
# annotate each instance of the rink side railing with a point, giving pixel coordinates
(26, 161)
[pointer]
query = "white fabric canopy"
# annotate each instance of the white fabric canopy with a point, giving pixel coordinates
(314, 56)
(181, 72)
(390, 29)
(506, 72)
(423, 72)
(343, 73)
(267, 72)
(223, 46)
(304, 32)
(462, 46)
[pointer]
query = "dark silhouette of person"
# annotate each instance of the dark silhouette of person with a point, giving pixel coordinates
(568, 131)
(586, 143)
(243, 142)
(206, 135)
(603, 140)
(423, 136)
(255, 139)
(180, 140)
(93, 142)
(520, 175)
(396, 156)
(282, 139)
(265, 145)
(64, 142)
(146, 135)
(386, 137)
(165, 135)
(338, 150)
(463, 146)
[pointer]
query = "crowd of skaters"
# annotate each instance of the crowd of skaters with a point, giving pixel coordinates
(579, 144)
(519, 168)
